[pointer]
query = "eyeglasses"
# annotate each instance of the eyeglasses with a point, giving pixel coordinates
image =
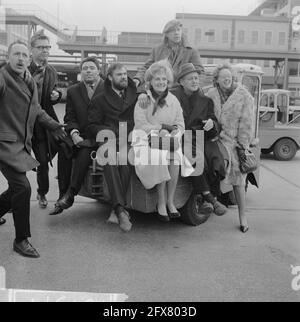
(43, 47)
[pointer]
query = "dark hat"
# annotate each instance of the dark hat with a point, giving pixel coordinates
(172, 25)
(186, 69)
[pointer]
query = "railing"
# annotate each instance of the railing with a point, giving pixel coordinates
(96, 37)
(34, 10)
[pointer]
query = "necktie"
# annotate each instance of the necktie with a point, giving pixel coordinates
(91, 91)
(122, 95)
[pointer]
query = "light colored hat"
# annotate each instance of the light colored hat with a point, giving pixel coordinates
(172, 25)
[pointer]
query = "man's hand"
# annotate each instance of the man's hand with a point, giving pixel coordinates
(54, 96)
(59, 133)
(144, 101)
(209, 125)
(76, 138)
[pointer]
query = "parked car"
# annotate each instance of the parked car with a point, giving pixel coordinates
(279, 124)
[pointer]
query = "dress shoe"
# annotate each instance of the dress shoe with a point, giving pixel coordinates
(162, 218)
(2, 221)
(66, 201)
(219, 209)
(56, 211)
(174, 215)
(205, 208)
(124, 221)
(113, 218)
(244, 229)
(43, 203)
(25, 249)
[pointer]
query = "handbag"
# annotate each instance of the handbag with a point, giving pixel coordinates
(248, 162)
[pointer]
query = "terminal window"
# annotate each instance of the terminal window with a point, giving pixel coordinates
(241, 36)
(198, 34)
(211, 35)
(282, 37)
(254, 37)
(268, 37)
(225, 36)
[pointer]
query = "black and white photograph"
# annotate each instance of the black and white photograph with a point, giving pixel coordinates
(149, 153)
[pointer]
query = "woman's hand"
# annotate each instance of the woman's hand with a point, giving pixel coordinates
(241, 154)
(209, 125)
(164, 133)
(169, 128)
(144, 101)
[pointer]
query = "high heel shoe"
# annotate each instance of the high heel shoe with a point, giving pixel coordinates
(244, 229)
(174, 215)
(162, 218)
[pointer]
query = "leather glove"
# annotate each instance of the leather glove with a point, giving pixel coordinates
(59, 133)
(241, 154)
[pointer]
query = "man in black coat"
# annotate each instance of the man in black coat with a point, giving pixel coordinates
(198, 112)
(19, 111)
(44, 145)
(79, 97)
(109, 113)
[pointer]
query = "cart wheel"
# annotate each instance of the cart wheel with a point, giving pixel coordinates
(190, 214)
(285, 150)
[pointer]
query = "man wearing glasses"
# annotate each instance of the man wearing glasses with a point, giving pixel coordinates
(44, 145)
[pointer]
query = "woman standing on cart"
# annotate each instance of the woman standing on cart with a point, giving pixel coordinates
(234, 111)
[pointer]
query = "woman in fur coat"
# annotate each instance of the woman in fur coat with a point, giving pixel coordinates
(234, 111)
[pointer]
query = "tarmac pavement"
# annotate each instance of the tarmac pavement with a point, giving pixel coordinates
(80, 252)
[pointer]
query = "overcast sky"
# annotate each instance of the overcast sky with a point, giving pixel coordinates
(133, 15)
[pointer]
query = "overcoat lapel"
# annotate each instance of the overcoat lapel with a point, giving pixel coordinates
(84, 93)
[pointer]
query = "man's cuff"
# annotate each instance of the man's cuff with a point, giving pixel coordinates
(74, 132)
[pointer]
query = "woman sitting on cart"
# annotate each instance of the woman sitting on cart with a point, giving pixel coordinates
(161, 120)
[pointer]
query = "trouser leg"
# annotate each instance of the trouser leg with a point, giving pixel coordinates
(117, 179)
(40, 149)
(43, 179)
(200, 184)
(5, 202)
(19, 195)
(80, 168)
(64, 169)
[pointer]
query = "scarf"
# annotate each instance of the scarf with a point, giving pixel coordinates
(225, 94)
(160, 99)
(173, 53)
(38, 73)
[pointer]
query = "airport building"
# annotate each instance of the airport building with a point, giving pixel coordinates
(268, 37)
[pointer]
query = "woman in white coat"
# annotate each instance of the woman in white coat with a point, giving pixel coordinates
(235, 113)
(162, 118)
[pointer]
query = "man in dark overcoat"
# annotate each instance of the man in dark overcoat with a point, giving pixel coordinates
(44, 145)
(79, 97)
(199, 115)
(108, 112)
(19, 111)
